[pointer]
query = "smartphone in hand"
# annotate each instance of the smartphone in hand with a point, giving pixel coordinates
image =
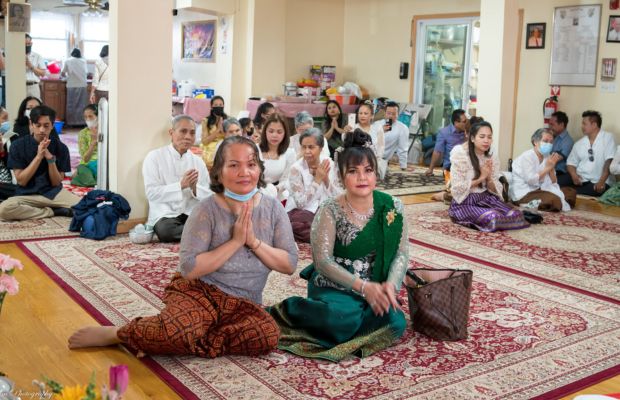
(351, 121)
(389, 122)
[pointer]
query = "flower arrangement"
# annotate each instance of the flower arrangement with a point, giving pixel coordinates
(8, 283)
(119, 379)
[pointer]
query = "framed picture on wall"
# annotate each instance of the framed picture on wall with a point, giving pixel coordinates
(198, 41)
(536, 35)
(574, 48)
(608, 69)
(613, 29)
(19, 17)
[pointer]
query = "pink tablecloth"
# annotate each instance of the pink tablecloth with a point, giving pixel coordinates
(291, 109)
(198, 109)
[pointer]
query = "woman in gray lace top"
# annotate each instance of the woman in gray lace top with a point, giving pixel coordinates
(231, 242)
(359, 250)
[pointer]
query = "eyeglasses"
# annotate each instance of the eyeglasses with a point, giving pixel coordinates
(591, 153)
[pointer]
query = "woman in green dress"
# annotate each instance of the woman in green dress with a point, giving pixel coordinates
(359, 249)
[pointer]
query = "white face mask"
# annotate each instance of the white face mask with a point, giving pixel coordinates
(27, 113)
(91, 123)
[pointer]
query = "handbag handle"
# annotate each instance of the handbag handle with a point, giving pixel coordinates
(451, 322)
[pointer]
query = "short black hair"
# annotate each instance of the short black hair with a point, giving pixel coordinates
(93, 108)
(104, 51)
(76, 53)
(561, 117)
(593, 116)
(28, 36)
(245, 122)
(42, 111)
(392, 104)
(456, 115)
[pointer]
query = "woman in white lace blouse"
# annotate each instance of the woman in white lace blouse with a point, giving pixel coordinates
(476, 190)
(312, 180)
(277, 156)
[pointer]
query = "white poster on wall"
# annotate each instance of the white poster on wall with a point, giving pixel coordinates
(574, 48)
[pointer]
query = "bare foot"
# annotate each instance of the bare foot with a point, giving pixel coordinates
(94, 336)
(438, 196)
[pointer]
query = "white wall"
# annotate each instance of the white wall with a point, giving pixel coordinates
(573, 100)
(314, 35)
(140, 67)
(202, 73)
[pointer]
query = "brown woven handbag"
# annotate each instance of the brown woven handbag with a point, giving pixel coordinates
(439, 301)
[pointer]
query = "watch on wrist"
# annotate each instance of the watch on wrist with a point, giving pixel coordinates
(51, 160)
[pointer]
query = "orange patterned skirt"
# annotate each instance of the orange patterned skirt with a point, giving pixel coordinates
(200, 319)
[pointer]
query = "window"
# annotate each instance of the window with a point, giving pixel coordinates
(94, 33)
(50, 33)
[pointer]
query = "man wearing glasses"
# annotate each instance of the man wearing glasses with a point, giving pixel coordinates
(588, 162)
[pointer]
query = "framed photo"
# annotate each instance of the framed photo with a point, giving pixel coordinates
(19, 17)
(536, 35)
(608, 69)
(613, 29)
(574, 48)
(198, 41)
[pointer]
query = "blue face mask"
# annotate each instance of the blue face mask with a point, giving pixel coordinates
(4, 127)
(240, 197)
(545, 148)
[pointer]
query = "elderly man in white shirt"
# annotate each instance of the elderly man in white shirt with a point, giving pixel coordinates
(589, 161)
(533, 176)
(35, 69)
(395, 137)
(175, 181)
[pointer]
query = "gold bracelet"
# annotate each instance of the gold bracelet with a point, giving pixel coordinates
(257, 246)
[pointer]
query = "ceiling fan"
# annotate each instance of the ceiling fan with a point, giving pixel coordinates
(93, 7)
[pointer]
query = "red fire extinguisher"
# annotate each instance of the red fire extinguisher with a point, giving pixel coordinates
(550, 105)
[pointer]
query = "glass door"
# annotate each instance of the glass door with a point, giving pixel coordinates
(443, 70)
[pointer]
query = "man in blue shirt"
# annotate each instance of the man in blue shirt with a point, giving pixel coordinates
(39, 164)
(562, 145)
(448, 137)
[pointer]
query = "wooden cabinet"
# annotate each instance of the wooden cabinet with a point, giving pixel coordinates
(54, 95)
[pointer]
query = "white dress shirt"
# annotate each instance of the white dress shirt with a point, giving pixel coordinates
(162, 170)
(525, 178)
(614, 168)
(75, 68)
(396, 141)
(100, 78)
(306, 194)
(603, 149)
(37, 61)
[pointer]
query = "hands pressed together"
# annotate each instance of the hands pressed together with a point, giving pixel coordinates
(190, 179)
(243, 229)
(43, 152)
(321, 174)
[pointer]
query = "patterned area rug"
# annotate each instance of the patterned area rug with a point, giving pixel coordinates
(578, 249)
(412, 181)
(552, 338)
(35, 229)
